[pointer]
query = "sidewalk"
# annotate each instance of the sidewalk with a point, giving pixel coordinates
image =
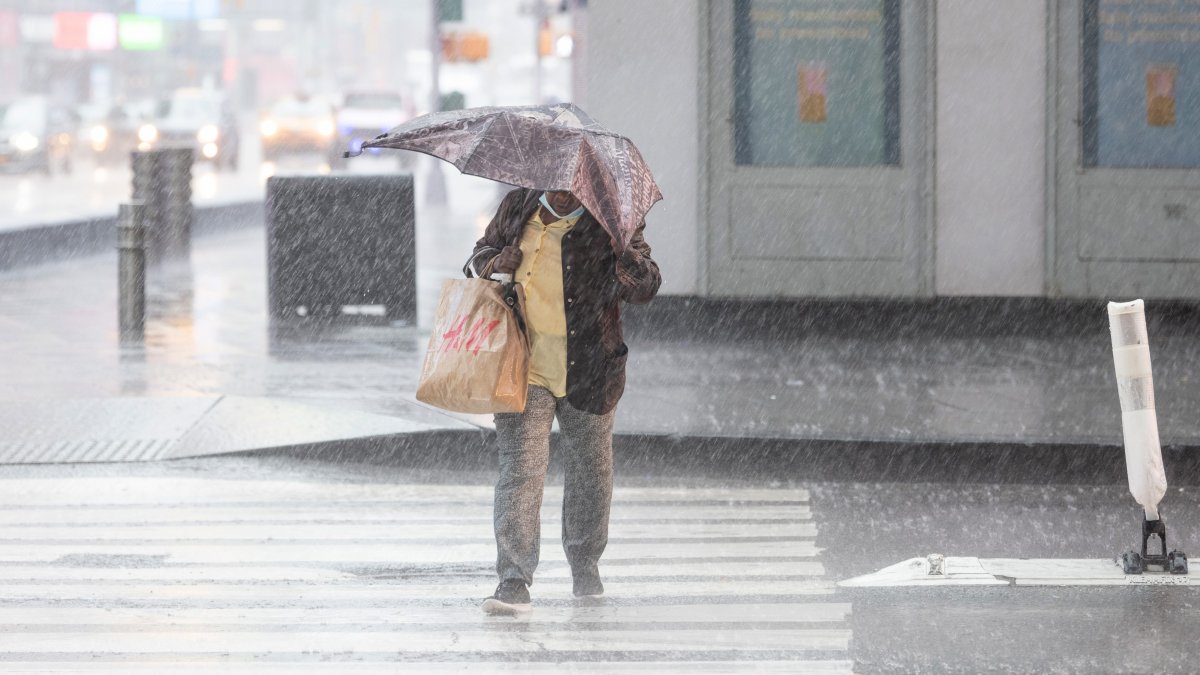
(828, 390)
(36, 201)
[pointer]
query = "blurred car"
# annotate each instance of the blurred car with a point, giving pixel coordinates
(197, 118)
(299, 123)
(364, 115)
(110, 132)
(36, 135)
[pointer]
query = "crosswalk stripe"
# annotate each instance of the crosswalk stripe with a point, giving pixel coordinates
(232, 594)
(152, 620)
(348, 512)
(477, 530)
(459, 641)
(186, 666)
(131, 490)
(246, 574)
(183, 552)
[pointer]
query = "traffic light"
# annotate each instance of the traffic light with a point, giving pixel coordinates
(546, 40)
(475, 47)
(470, 47)
(450, 10)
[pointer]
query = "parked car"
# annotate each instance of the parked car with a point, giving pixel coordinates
(110, 132)
(36, 135)
(195, 118)
(364, 115)
(299, 123)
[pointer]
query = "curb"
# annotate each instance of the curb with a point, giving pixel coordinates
(794, 459)
(724, 318)
(54, 242)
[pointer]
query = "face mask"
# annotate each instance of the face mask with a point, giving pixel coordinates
(546, 205)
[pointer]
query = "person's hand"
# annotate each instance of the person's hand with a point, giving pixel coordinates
(628, 264)
(508, 261)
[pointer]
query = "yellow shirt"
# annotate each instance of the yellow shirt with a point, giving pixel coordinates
(540, 274)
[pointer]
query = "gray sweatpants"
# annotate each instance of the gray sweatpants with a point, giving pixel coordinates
(524, 440)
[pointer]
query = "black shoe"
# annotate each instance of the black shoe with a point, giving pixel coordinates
(511, 597)
(588, 585)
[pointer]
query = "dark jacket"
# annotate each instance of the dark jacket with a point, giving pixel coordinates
(595, 282)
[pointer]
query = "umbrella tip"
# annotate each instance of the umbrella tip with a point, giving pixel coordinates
(348, 154)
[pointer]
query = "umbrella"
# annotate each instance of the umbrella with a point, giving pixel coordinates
(549, 147)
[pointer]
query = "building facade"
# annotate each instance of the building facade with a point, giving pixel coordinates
(912, 148)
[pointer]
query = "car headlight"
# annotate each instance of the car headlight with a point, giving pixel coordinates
(326, 128)
(207, 134)
(147, 133)
(268, 127)
(98, 134)
(24, 141)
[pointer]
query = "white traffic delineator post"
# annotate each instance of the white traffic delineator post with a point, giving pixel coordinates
(1139, 424)
(1135, 384)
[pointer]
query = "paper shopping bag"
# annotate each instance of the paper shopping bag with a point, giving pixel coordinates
(478, 355)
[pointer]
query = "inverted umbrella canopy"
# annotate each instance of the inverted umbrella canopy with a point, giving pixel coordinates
(550, 147)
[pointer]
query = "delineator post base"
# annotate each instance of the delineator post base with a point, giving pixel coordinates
(1174, 562)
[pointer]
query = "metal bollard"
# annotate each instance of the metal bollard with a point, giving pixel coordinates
(162, 180)
(176, 165)
(147, 179)
(131, 271)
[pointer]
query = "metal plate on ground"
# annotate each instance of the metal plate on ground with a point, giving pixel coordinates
(147, 429)
(965, 571)
(96, 430)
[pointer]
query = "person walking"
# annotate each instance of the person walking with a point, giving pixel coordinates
(574, 284)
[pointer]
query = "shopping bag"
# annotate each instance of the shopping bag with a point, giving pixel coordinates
(478, 355)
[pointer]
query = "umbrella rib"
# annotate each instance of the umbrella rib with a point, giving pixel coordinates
(513, 134)
(583, 141)
(484, 127)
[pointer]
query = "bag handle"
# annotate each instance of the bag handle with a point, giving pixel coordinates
(486, 272)
(508, 291)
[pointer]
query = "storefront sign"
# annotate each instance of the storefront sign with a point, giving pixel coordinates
(71, 30)
(102, 32)
(96, 31)
(180, 10)
(10, 29)
(140, 33)
(37, 28)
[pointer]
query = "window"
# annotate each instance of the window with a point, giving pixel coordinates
(817, 83)
(1141, 83)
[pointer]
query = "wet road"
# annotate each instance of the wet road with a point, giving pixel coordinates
(94, 188)
(275, 562)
